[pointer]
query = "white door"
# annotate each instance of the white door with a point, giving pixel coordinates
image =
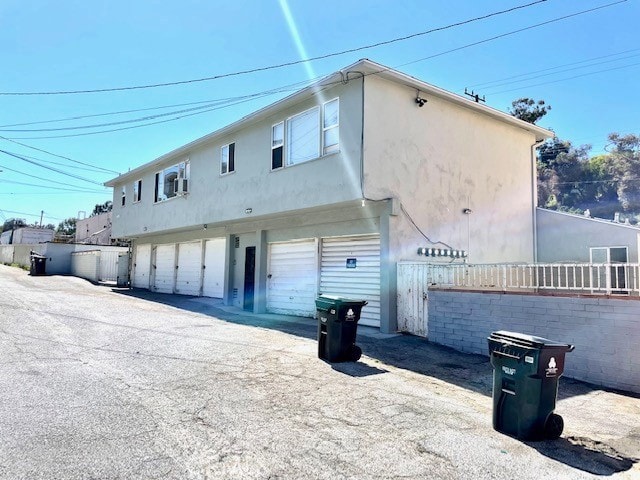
(164, 268)
(351, 268)
(189, 273)
(142, 266)
(292, 278)
(214, 259)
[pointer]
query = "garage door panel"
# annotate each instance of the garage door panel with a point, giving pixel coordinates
(361, 282)
(189, 271)
(164, 271)
(214, 267)
(142, 266)
(293, 279)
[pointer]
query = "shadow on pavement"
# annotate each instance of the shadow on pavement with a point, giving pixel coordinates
(357, 369)
(585, 454)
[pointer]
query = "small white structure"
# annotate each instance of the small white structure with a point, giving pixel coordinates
(26, 235)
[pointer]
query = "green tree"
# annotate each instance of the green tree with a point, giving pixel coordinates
(102, 208)
(67, 227)
(528, 109)
(624, 165)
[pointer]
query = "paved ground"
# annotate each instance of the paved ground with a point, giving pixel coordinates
(104, 384)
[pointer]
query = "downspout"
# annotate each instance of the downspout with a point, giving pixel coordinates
(534, 197)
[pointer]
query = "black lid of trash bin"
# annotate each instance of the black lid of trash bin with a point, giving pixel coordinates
(524, 340)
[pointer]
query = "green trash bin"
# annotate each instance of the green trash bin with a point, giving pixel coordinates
(337, 326)
(526, 370)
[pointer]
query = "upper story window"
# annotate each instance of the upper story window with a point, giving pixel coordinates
(306, 136)
(172, 181)
(303, 139)
(330, 126)
(277, 145)
(124, 195)
(137, 191)
(227, 159)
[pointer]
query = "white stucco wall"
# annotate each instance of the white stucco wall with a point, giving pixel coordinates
(564, 237)
(440, 159)
(95, 230)
(215, 199)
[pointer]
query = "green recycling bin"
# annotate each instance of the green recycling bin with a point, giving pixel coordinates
(337, 326)
(526, 370)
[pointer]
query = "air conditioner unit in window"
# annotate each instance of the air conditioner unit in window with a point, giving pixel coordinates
(180, 186)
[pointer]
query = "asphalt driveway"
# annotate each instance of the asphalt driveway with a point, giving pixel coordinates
(100, 383)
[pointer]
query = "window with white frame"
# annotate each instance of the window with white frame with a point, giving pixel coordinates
(306, 136)
(124, 195)
(137, 191)
(303, 139)
(330, 126)
(277, 145)
(227, 159)
(172, 181)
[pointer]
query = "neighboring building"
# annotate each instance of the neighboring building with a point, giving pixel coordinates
(95, 230)
(569, 238)
(326, 190)
(26, 235)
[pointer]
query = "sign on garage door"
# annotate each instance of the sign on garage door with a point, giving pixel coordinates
(214, 258)
(351, 268)
(189, 271)
(292, 278)
(164, 264)
(142, 266)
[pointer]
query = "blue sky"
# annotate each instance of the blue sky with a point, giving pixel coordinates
(586, 67)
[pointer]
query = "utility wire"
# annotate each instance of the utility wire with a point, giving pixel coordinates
(106, 170)
(33, 214)
(46, 186)
(286, 64)
(78, 177)
(36, 177)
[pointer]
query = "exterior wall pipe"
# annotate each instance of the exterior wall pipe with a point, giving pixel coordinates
(534, 197)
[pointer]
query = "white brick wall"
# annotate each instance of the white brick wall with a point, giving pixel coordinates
(605, 331)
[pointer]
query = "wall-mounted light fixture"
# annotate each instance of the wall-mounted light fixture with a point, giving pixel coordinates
(420, 101)
(204, 227)
(466, 211)
(248, 210)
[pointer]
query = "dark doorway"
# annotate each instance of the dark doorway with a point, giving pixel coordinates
(249, 277)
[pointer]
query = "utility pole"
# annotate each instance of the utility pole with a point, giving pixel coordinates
(41, 214)
(475, 96)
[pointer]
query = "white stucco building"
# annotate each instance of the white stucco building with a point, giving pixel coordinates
(95, 230)
(326, 190)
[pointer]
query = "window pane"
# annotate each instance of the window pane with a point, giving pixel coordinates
(232, 157)
(303, 140)
(170, 176)
(331, 140)
(224, 160)
(276, 158)
(331, 113)
(277, 136)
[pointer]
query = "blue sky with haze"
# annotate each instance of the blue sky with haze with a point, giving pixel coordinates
(585, 66)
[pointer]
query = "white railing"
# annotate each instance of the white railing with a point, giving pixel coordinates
(592, 278)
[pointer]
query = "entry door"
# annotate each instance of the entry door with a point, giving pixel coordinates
(249, 277)
(292, 279)
(214, 258)
(189, 272)
(164, 268)
(142, 266)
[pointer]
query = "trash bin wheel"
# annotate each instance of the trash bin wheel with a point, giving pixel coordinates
(553, 427)
(355, 353)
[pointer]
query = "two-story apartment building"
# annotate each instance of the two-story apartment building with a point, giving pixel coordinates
(326, 190)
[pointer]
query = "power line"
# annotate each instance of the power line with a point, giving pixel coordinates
(53, 188)
(513, 32)
(36, 177)
(106, 170)
(78, 177)
(33, 214)
(285, 64)
(484, 84)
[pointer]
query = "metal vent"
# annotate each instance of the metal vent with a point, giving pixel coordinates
(236, 241)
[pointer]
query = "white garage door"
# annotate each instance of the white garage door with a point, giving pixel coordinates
(164, 268)
(189, 271)
(214, 258)
(351, 268)
(292, 278)
(142, 266)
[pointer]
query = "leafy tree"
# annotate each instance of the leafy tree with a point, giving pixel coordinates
(13, 223)
(624, 164)
(102, 208)
(67, 227)
(528, 109)
(50, 226)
